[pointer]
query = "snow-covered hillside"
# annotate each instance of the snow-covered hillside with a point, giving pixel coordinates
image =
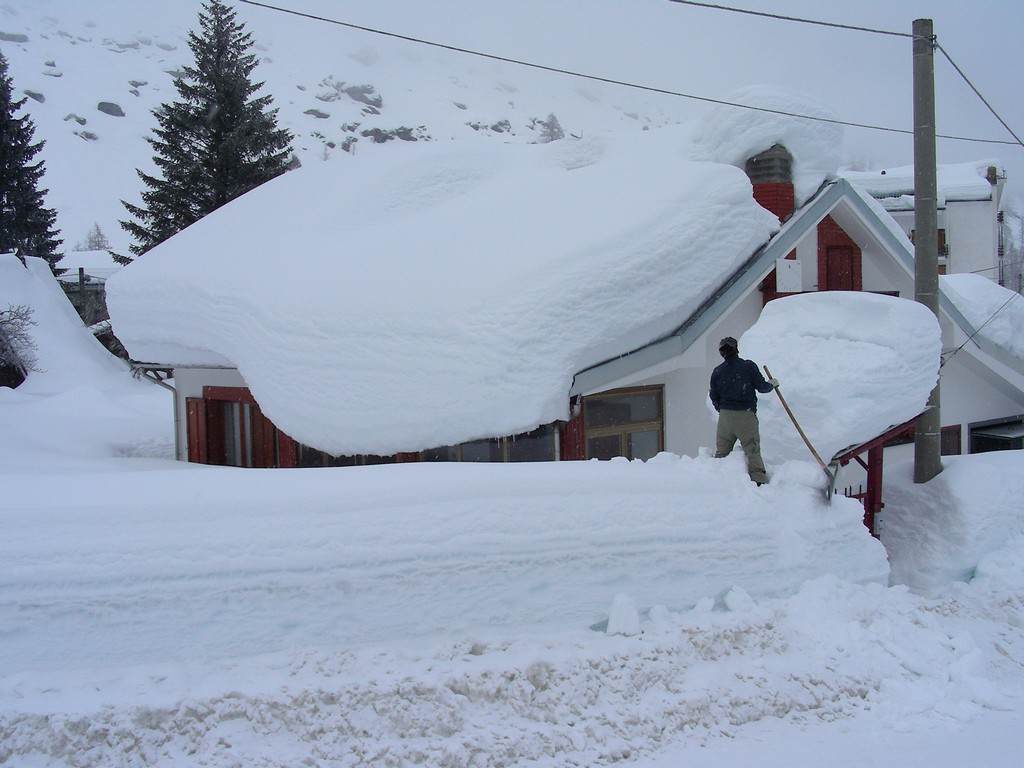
(95, 70)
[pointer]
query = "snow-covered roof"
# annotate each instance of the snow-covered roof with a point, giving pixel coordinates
(856, 362)
(955, 182)
(441, 293)
(66, 351)
(733, 135)
(996, 312)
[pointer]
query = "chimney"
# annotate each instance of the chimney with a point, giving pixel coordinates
(771, 174)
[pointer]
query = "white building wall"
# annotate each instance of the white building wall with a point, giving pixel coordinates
(972, 236)
(189, 382)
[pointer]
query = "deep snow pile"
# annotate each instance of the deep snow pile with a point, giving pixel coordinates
(441, 294)
(850, 364)
(225, 564)
(997, 313)
(80, 401)
(940, 530)
(263, 671)
(732, 135)
(955, 181)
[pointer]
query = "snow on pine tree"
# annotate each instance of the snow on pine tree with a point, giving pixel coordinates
(26, 224)
(215, 142)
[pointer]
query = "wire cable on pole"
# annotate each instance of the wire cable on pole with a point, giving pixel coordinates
(947, 356)
(798, 19)
(978, 93)
(609, 80)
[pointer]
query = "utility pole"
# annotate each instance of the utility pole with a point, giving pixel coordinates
(927, 437)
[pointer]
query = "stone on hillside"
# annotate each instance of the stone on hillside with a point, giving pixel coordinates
(51, 72)
(133, 91)
(316, 113)
(35, 95)
(166, 47)
(365, 94)
(404, 133)
(77, 118)
(87, 135)
(110, 108)
(13, 37)
(50, 63)
(137, 83)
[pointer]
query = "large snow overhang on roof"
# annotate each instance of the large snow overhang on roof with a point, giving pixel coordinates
(860, 215)
(957, 182)
(441, 294)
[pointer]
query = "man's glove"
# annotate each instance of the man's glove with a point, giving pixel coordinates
(774, 382)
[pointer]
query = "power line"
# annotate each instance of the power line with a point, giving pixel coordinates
(609, 80)
(951, 355)
(780, 17)
(978, 93)
(819, 23)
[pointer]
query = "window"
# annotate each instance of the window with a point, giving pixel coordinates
(1006, 435)
(627, 422)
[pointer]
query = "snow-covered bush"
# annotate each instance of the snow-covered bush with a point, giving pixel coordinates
(17, 347)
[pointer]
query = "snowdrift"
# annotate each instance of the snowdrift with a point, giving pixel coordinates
(996, 312)
(939, 531)
(80, 401)
(850, 364)
(732, 135)
(67, 353)
(226, 563)
(438, 294)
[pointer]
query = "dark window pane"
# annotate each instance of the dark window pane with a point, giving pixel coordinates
(604, 447)
(538, 445)
(622, 409)
(444, 453)
(232, 436)
(643, 445)
(482, 450)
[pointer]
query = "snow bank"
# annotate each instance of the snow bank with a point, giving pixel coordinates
(732, 135)
(438, 295)
(955, 181)
(81, 402)
(851, 365)
(199, 563)
(997, 311)
(67, 352)
(939, 531)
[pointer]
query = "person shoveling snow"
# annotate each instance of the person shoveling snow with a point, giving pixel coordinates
(734, 385)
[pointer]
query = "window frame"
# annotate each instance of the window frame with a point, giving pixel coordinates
(624, 429)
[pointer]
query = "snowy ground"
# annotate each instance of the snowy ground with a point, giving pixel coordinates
(156, 613)
(138, 632)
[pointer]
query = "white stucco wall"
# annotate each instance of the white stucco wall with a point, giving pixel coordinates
(972, 232)
(189, 382)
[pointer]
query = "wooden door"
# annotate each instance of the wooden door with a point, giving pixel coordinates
(839, 268)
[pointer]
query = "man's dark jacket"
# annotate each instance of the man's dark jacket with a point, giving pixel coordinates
(733, 385)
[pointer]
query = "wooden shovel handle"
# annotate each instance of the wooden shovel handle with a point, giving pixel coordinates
(797, 424)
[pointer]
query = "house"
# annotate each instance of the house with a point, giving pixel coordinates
(604, 349)
(971, 233)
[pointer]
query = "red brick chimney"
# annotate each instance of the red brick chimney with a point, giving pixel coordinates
(771, 174)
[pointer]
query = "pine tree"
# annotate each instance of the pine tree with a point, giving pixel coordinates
(215, 142)
(26, 225)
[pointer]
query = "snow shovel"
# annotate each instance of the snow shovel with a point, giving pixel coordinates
(829, 473)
